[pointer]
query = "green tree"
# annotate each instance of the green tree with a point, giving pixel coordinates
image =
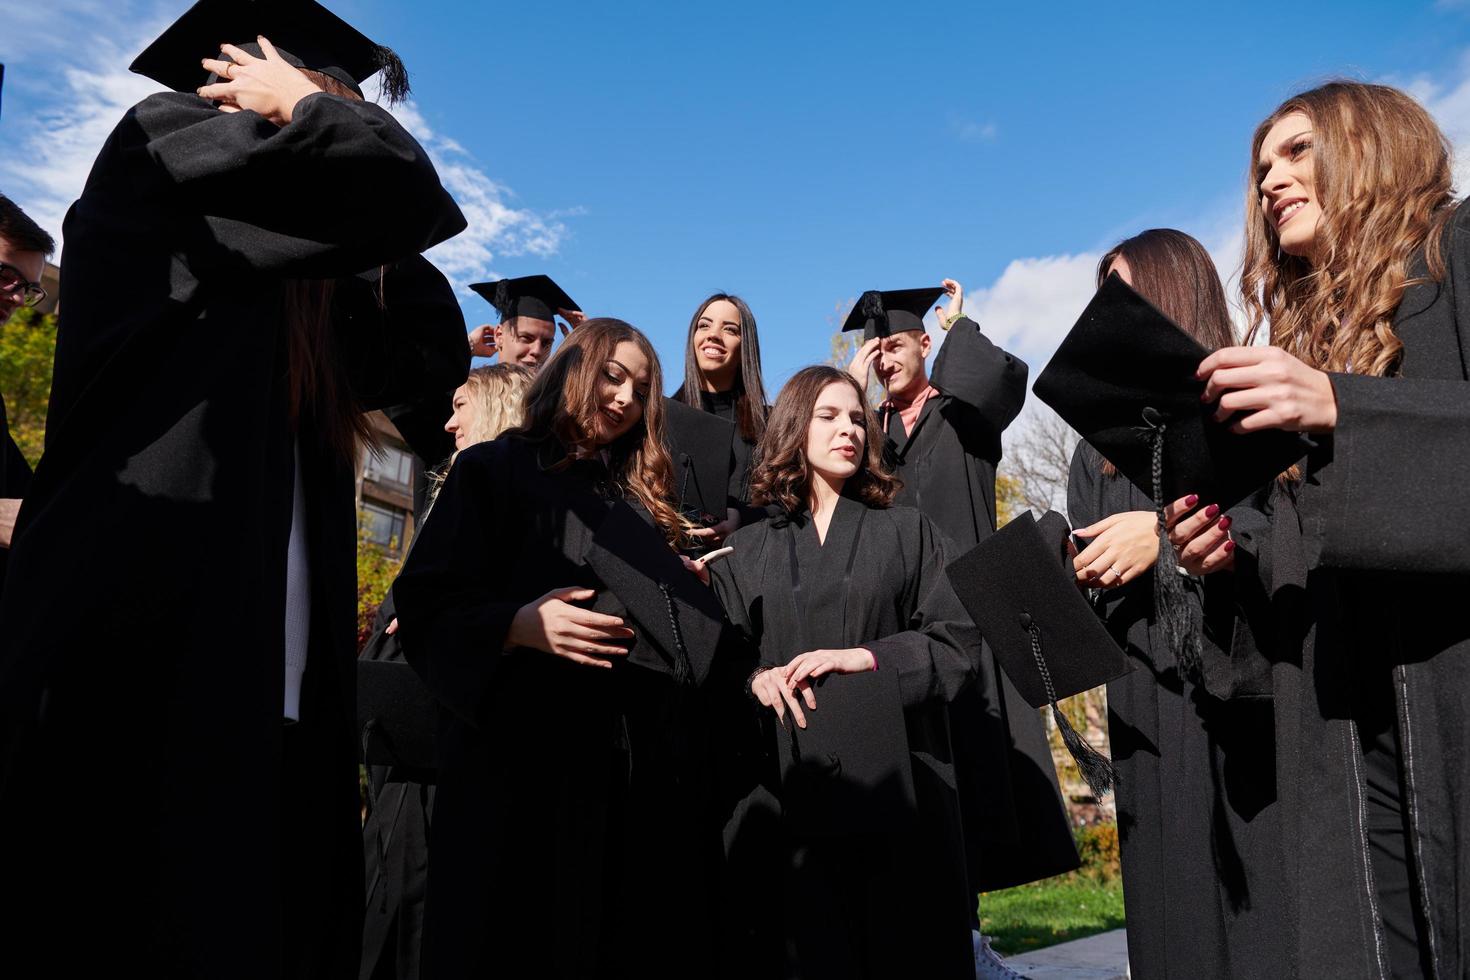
(377, 567)
(27, 350)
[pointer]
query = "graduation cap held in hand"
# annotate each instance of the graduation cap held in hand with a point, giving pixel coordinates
(1125, 379)
(397, 717)
(304, 33)
(699, 443)
(1019, 588)
(848, 772)
(537, 297)
(677, 619)
(887, 312)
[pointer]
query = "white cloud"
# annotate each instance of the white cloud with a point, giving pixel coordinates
(1448, 101)
(971, 131)
(45, 169)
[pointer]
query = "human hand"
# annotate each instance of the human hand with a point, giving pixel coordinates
(573, 318)
(716, 533)
(553, 625)
(482, 341)
(771, 689)
(269, 85)
(9, 509)
(1270, 388)
(862, 361)
(956, 303)
(1123, 547)
(1202, 541)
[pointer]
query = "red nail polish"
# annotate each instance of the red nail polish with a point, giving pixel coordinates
(1191, 500)
(1212, 510)
(1224, 523)
(1229, 546)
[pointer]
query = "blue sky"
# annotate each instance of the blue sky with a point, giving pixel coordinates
(646, 154)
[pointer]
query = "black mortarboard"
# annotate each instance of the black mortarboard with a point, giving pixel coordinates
(537, 297)
(1125, 374)
(878, 314)
(699, 443)
(1019, 588)
(677, 619)
(1125, 379)
(305, 33)
(397, 717)
(848, 771)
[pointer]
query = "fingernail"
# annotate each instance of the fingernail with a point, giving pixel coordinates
(1212, 510)
(1224, 523)
(1191, 500)
(1229, 546)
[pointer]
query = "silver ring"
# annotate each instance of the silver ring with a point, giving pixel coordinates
(1114, 570)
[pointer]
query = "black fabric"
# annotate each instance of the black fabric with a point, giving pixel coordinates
(1339, 630)
(1197, 817)
(1124, 369)
(699, 443)
(168, 426)
(878, 904)
(306, 33)
(396, 715)
(1016, 825)
(1014, 581)
(537, 297)
(15, 477)
(571, 800)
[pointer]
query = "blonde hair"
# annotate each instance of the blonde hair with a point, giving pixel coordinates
(497, 398)
(1381, 168)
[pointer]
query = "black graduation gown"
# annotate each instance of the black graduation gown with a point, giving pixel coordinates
(724, 404)
(576, 831)
(15, 477)
(1196, 793)
(903, 609)
(1017, 828)
(1372, 648)
(168, 816)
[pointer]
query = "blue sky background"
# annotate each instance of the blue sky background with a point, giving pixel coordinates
(647, 154)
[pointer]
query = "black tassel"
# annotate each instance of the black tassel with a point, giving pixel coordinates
(870, 306)
(1096, 769)
(683, 670)
(395, 76)
(503, 300)
(1172, 608)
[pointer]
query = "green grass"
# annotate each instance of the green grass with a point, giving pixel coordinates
(1045, 913)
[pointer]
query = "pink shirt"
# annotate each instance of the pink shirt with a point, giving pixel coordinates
(910, 413)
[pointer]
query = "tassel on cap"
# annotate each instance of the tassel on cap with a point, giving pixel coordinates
(395, 77)
(1172, 608)
(1096, 769)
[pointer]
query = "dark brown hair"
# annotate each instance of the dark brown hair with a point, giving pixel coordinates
(781, 474)
(1381, 170)
(564, 400)
(750, 403)
(20, 232)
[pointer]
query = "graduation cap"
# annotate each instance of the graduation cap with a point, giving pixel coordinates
(305, 33)
(1018, 587)
(1124, 378)
(699, 443)
(538, 297)
(677, 619)
(879, 314)
(848, 772)
(397, 717)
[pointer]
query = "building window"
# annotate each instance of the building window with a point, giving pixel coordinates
(394, 467)
(382, 524)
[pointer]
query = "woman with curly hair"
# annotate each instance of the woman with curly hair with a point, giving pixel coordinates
(572, 652)
(842, 582)
(1358, 259)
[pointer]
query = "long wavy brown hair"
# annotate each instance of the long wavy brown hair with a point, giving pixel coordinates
(781, 474)
(1381, 169)
(564, 400)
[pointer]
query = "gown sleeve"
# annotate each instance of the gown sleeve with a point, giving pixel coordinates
(340, 188)
(453, 619)
(974, 371)
(938, 656)
(734, 585)
(1401, 452)
(402, 333)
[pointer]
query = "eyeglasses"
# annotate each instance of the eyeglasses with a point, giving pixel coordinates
(11, 281)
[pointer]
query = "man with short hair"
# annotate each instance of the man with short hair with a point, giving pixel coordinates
(23, 250)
